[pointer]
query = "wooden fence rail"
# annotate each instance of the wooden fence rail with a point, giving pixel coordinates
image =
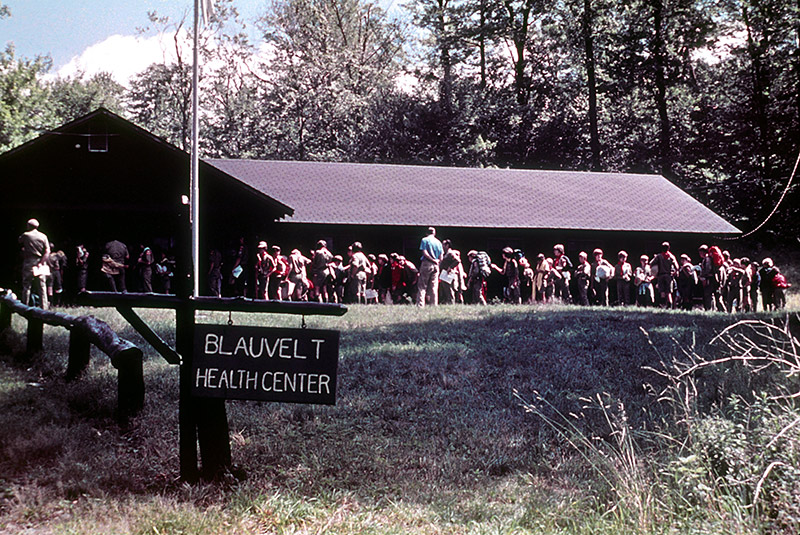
(84, 331)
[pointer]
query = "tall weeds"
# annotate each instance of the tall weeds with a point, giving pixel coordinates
(726, 460)
(613, 457)
(737, 417)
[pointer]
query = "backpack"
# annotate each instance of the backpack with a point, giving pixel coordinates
(779, 281)
(484, 264)
(281, 267)
(716, 256)
(410, 272)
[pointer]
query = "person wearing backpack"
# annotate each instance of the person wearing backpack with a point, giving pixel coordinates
(735, 296)
(265, 266)
(278, 285)
(562, 273)
(510, 271)
(687, 280)
(526, 275)
(451, 276)
(338, 278)
(542, 285)
(358, 272)
(643, 282)
(711, 277)
(666, 267)
(484, 264)
(767, 274)
(602, 272)
(779, 286)
(476, 278)
(623, 274)
(321, 258)
(747, 285)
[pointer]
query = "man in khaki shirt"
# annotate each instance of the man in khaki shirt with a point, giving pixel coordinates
(35, 250)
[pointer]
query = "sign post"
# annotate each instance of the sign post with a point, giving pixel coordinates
(220, 362)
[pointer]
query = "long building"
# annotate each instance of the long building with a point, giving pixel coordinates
(101, 177)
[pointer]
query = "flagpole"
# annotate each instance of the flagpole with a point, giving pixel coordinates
(195, 165)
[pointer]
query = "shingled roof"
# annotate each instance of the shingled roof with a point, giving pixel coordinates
(375, 194)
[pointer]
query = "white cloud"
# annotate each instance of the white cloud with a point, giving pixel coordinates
(123, 56)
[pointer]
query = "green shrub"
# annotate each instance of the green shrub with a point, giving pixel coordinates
(739, 457)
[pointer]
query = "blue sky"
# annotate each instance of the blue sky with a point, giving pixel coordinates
(65, 28)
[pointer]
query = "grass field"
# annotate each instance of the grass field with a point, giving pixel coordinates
(448, 421)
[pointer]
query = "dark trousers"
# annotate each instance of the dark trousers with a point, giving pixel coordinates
(601, 292)
(623, 292)
(83, 276)
(712, 298)
(147, 279)
(116, 283)
(583, 291)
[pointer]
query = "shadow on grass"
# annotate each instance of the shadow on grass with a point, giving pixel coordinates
(425, 406)
(430, 404)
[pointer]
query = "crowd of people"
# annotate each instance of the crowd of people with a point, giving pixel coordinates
(439, 275)
(44, 267)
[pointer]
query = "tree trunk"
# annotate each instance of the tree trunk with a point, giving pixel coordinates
(760, 91)
(519, 71)
(797, 67)
(446, 83)
(591, 82)
(519, 36)
(664, 133)
(482, 43)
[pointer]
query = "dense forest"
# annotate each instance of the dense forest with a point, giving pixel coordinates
(705, 92)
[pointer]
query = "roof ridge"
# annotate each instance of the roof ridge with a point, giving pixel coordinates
(442, 167)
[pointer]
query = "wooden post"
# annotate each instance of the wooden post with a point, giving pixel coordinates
(214, 438)
(5, 316)
(35, 335)
(79, 352)
(202, 421)
(130, 387)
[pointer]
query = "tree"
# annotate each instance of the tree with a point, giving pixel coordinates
(159, 98)
(330, 59)
(233, 125)
(754, 125)
(75, 97)
(24, 105)
(444, 21)
(24, 109)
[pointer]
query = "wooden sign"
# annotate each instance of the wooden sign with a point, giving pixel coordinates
(265, 364)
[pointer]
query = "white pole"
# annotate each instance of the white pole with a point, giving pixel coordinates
(195, 166)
